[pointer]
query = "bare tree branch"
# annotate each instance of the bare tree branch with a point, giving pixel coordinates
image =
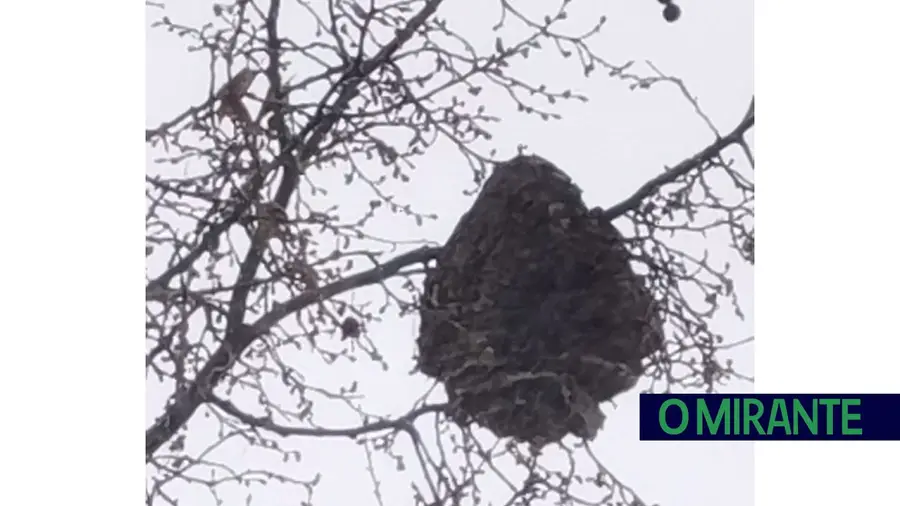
(736, 136)
(186, 404)
(352, 432)
(262, 275)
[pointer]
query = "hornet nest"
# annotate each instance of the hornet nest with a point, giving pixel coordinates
(533, 315)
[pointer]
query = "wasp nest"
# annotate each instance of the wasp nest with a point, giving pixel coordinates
(533, 315)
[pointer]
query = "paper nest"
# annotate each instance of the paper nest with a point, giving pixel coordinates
(533, 315)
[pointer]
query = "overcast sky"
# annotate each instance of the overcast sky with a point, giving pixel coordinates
(609, 146)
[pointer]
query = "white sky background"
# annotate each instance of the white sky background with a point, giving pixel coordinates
(72, 381)
(609, 146)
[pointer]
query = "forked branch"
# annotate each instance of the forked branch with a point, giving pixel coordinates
(186, 402)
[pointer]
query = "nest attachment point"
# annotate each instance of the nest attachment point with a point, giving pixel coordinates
(533, 315)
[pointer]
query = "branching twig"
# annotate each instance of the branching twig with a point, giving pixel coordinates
(694, 162)
(185, 405)
(352, 432)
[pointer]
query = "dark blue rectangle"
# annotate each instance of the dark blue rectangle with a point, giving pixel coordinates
(799, 417)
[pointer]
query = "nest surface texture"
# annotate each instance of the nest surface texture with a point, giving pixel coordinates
(533, 315)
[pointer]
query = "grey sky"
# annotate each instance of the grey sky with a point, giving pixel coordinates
(609, 146)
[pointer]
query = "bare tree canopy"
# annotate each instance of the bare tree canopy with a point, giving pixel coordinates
(270, 274)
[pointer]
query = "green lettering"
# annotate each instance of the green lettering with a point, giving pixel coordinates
(847, 416)
(704, 417)
(812, 422)
(829, 414)
(753, 418)
(662, 417)
(779, 417)
(737, 417)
